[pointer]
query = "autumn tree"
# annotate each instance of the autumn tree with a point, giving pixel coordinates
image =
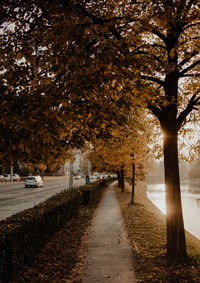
(48, 85)
(108, 55)
(159, 48)
(28, 133)
(171, 53)
(128, 145)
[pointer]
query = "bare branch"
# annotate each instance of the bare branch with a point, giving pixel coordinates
(190, 76)
(152, 79)
(137, 49)
(189, 68)
(101, 21)
(140, 53)
(158, 59)
(159, 45)
(194, 101)
(192, 25)
(184, 61)
(160, 35)
(155, 110)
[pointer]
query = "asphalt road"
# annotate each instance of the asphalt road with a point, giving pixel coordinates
(14, 197)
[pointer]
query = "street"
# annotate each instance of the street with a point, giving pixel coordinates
(14, 197)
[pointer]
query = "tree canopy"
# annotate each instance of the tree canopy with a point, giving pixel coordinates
(128, 144)
(52, 94)
(92, 61)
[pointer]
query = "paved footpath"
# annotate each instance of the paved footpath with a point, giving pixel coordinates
(108, 257)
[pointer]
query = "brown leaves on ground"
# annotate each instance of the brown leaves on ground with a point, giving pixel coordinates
(59, 260)
(147, 236)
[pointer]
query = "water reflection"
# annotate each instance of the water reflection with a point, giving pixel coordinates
(190, 193)
(198, 202)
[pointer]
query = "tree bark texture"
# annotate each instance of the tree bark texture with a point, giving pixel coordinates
(122, 179)
(119, 179)
(133, 184)
(176, 245)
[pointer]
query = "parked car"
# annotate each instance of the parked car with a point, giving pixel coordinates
(97, 176)
(77, 177)
(2, 178)
(16, 177)
(92, 177)
(7, 177)
(34, 181)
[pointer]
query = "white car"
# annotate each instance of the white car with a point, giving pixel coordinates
(7, 177)
(78, 177)
(33, 181)
(16, 177)
(2, 178)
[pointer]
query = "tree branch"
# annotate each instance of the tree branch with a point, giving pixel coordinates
(190, 3)
(136, 50)
(192, 25)
(152, 79)
(158, 59)
(160, 35)
(99, 21)
(155, 110)
(194, 101)
(159, 45)
(184, 61)
(191, 76)
(189, 68)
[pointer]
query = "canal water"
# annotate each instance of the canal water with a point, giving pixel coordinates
(190, 194)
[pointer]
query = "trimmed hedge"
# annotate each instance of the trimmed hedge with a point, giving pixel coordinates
(23, 234)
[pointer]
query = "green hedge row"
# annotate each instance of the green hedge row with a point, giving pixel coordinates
(23, 234)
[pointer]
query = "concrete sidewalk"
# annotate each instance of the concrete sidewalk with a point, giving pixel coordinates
(108, 256)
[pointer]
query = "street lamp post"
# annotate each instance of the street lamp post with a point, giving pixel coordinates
(11, 172)
(89, 165)
(71, 175)
(133, 180)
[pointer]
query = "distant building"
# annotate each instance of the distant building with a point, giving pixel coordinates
(78, 167)
(77, 163)
(64, 169)
(81, 166)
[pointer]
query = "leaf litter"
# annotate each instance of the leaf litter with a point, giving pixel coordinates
(145, 226)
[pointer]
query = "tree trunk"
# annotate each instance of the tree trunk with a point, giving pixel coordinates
(176, 245)
(133, 184)
(119, 179)
(122, 180)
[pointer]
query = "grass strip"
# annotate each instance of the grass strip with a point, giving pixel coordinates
(145, 225)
